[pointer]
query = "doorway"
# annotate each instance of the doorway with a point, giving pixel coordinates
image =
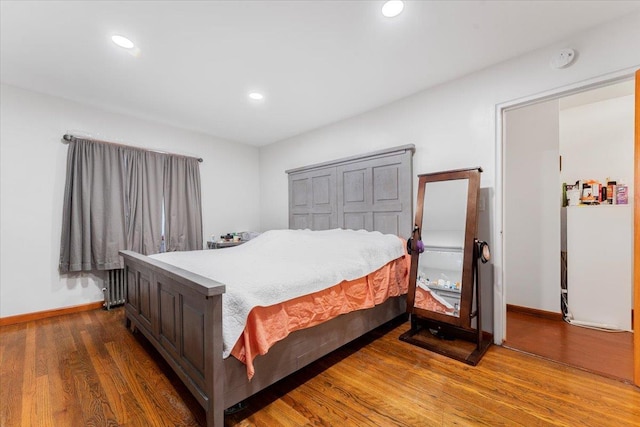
(532, 228)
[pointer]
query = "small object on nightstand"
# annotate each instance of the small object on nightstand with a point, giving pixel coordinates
(221, 244)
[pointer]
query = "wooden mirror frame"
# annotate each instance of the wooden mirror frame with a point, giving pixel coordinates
(466, 313)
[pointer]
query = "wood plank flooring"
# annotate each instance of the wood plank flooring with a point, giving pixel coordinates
(87, 369)
(606, 353)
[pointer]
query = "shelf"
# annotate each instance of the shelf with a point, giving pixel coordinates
(599, 206)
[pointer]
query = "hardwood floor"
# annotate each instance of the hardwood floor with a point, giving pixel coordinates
(606, 353)
(87, 369)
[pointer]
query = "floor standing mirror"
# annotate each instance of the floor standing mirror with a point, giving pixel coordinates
(444, 290)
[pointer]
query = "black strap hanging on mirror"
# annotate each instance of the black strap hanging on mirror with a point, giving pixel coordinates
(419, 245)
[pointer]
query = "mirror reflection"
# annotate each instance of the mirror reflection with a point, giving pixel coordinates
(440, 266)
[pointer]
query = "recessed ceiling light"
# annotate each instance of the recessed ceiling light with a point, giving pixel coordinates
(392, 8)
(256, 96)
(122, 41)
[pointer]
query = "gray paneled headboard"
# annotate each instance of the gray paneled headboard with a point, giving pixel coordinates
(372, 191)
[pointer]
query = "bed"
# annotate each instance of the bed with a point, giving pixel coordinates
(180, 311)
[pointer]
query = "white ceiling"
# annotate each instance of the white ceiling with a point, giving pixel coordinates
(317, 62)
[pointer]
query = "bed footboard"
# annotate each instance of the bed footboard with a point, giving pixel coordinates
(180, 313)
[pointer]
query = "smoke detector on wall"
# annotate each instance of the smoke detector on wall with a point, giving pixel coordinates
(563, 58)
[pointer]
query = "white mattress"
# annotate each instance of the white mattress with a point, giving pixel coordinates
(280, 265)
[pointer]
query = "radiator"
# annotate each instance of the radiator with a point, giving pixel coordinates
(114, 291)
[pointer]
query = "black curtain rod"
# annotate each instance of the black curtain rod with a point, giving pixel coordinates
(69, 138)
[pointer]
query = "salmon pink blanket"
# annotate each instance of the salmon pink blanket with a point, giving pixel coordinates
(268, 325)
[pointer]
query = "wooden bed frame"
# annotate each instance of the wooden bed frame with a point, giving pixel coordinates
(180, 312)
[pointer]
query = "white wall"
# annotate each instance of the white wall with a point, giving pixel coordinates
(33, 162)
(596, 141)
(532, 207)
(452, 125)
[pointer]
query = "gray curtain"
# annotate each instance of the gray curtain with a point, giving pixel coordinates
(183, 205)
(93, 218)
(145, 177)
(114, 199)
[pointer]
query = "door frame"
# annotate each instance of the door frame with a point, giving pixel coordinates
(500, 297)
(636, 241)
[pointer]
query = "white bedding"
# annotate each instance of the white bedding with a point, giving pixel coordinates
(280, 265)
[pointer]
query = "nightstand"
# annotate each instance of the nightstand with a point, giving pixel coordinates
(221, 244)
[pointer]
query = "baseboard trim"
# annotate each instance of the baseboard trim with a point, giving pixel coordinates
(534, 312)
(21, 318)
